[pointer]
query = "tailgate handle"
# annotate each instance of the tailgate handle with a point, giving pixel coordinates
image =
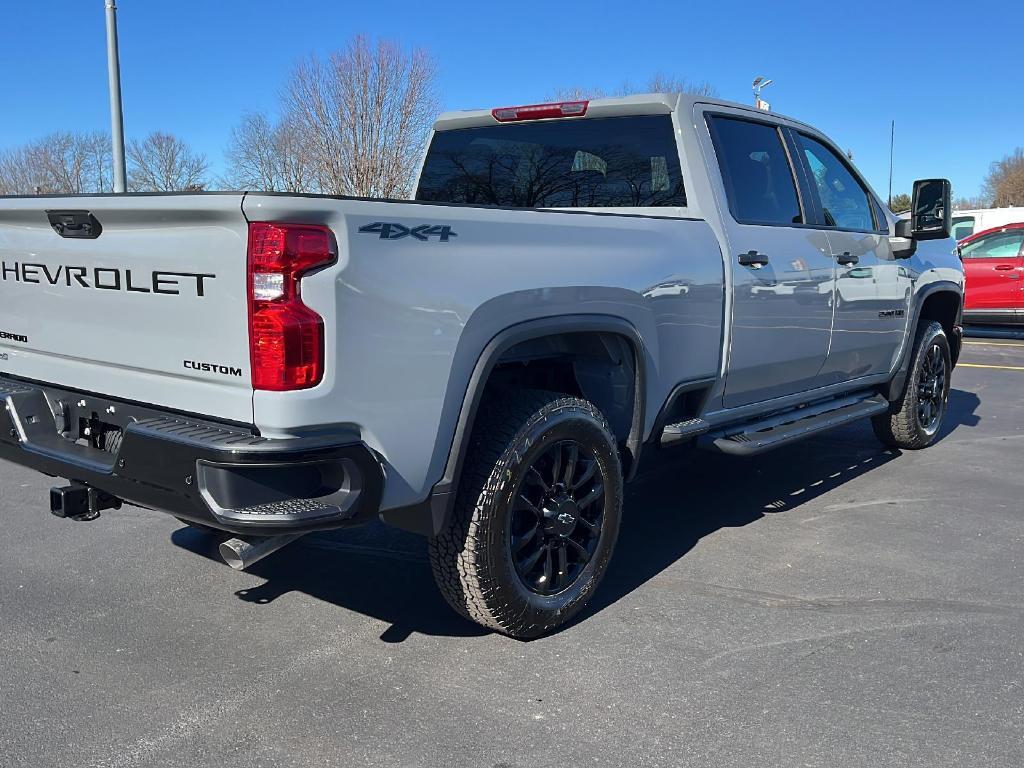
(77, 224)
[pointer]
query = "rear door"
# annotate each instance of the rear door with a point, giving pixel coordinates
(993, 265)
(872, 287)
(782, 301)
(151, 308)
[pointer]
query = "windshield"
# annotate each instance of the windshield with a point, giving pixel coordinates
(569, 163)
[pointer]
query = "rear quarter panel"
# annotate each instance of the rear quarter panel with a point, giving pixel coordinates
(408, 319)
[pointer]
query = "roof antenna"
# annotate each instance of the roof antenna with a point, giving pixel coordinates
(892, 141)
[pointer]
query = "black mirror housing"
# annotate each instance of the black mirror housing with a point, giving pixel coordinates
(931, 216)
(903, 243)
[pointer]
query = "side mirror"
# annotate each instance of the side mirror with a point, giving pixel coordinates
(931, 216)
(902, 241)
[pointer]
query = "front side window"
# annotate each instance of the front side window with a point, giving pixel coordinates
(756, 172)
(883, 222)
(844, 201)
(1000, 245)
(608, 162)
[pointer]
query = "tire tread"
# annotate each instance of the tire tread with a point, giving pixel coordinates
(459, 554)
(899, 428)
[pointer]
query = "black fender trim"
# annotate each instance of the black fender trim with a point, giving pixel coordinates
(894, 388)
(430, 516)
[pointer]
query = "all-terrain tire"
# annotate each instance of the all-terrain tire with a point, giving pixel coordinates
(472, 558)
(905, 425)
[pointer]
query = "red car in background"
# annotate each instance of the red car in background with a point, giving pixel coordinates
(994, 268)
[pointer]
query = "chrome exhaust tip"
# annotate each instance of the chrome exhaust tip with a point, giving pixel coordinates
(240, 553)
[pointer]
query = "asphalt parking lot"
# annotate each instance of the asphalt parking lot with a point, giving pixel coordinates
(829, 604)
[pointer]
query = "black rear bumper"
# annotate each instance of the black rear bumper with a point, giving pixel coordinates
(220, 475)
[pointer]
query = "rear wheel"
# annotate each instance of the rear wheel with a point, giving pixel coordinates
(536, 517)
(914, 420)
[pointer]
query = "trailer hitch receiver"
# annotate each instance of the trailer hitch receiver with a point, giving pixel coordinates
(81, 502)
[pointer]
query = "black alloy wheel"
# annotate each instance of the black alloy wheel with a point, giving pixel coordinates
(536, 516)
(914, 419)
(557, 517)
(932, 384)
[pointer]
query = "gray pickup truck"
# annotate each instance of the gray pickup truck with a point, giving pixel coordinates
(573, 286)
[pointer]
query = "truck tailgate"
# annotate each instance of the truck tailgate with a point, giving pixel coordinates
(153, 309)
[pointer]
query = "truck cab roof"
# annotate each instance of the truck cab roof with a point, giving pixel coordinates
(636, 104)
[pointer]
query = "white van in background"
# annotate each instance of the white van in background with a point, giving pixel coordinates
(968, 222)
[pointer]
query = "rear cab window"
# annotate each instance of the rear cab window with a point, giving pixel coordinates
(611, 162)
(756, 171)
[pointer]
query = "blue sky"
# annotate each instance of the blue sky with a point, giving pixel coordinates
(950, 75)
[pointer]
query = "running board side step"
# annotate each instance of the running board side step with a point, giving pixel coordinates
(682, 431)
(781, 429)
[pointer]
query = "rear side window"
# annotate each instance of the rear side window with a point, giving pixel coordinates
(575, 163)
(963, 226)
(1001, 245)
(844, 201)
(756, 172)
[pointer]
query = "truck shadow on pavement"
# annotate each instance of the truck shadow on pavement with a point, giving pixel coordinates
(384, 573)
(664, 520)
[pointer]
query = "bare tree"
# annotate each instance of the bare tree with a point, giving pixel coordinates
(1004, 185)
(164, 163)
(267, 157)
(61, 163)
(18, 173)
(363, 116)
(575, 93)
(657, 83)
(971, 203)
(75, 162)
(662, 83)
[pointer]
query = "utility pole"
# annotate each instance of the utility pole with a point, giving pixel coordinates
(114, 82)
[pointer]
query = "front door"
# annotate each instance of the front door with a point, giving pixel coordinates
(994, 270)
(873, 288)
(783, 274)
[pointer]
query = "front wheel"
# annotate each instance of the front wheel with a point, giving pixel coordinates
(536, 516)
(914, 420)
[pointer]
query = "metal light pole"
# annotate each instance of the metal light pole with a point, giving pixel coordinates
(114, 81)
(759, 84)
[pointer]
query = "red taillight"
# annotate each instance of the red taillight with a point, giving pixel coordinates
(540, 111)
(286, 338)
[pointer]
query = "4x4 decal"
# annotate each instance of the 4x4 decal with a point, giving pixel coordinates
(392, 231)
